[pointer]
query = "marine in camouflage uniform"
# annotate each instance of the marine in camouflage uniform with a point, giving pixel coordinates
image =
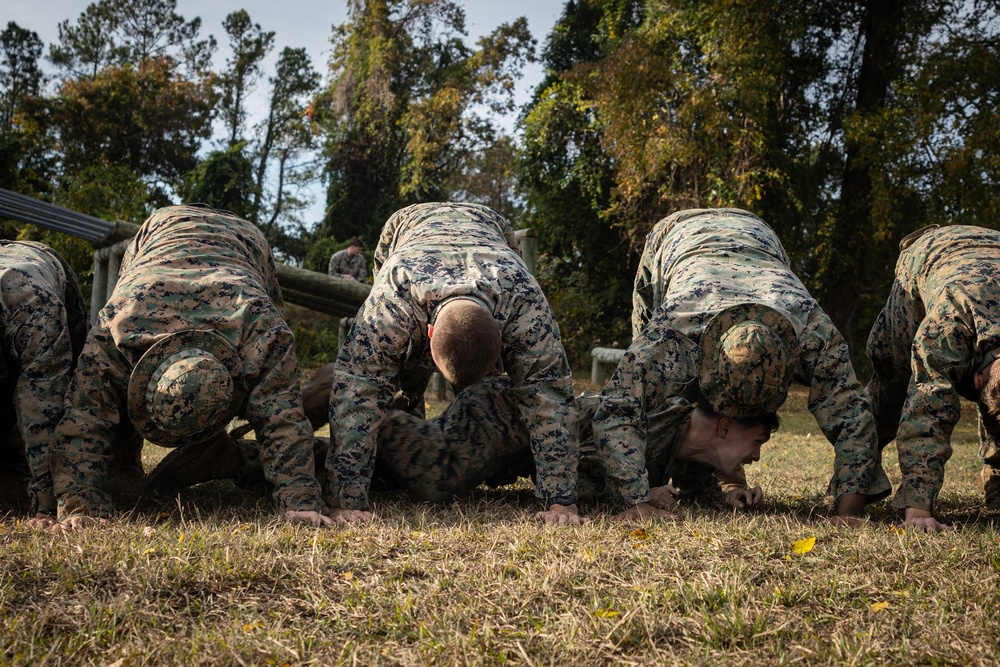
(701, 273)
(192, 336)
(939, 328)
(427, 255)
(432, 461)
(44, 324)
(341, 263)
(485, 414)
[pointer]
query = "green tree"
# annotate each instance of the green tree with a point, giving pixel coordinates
(843, 123)
(20, 75)
(285, 145)
(24, 166)
(489, 177)
(401, 113)
(250, 45)
(146, 119)
(223, 180)
(114, 33)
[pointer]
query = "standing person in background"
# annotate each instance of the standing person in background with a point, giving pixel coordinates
(451, 291)
(720, 320)
(349, 263)
(43, 321)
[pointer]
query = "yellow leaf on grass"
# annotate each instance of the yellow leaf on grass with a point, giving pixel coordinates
(605, 613)
(148, 551)
(878, 606)
(347, 576)
(180, 538)
(640, 534)
(250, 627)
(804, 546)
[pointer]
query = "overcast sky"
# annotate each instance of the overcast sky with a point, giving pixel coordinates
(298, 23)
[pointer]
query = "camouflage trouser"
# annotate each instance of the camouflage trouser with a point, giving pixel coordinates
(889, 350)
(480, 437)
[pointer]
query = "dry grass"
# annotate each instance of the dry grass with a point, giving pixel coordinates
(213, 578)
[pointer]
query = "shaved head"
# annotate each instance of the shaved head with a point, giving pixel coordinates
(465, 343)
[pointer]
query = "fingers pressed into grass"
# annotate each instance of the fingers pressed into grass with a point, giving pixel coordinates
(338, 515)
(561, 514)
(644, 511)
(76, 523)
(313, 518)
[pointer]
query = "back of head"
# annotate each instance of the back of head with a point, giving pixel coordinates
(768, 420)
(465, 342)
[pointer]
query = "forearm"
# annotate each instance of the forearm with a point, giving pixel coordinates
(843, 412)
(620, 434)
(554, 442)
(288, 460)
(94, 405)
(79, 463)
(357, 408)
(924, 444)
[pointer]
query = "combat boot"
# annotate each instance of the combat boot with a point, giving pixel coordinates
(988, 482)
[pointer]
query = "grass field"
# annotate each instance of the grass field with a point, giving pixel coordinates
(213, 578)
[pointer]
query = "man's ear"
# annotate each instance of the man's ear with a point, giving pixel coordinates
(722, 426)
(979, 380)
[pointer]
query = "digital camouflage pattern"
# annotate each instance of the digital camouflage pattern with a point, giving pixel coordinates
(939, 326)
(695, 264)
(341, 263)
(426, 254)
(44, 323)
(189, 268)
(479, 438)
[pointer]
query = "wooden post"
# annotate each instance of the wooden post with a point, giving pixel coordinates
(100, 288)
(528, 242)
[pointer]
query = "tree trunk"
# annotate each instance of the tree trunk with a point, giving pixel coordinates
(845, 255)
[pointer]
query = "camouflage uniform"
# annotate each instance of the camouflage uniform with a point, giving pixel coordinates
(190, 268)
(341, 263)
(44, 323)
(696, 264)
(481, 437)
(427, 254)
(940, 325)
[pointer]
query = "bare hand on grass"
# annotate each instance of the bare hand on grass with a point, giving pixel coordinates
(314, 518)
(40, 522)
(76, 523)
(644, 511)
(663, 497)
(923, 521)
(744, 498)
(338, 515)
(849, 510)
(561, 514)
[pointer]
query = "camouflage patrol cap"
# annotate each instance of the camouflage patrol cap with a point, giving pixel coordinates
(185, 388)
(748, 354)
